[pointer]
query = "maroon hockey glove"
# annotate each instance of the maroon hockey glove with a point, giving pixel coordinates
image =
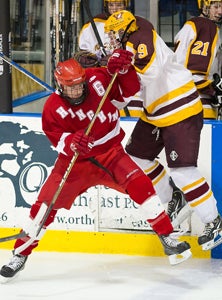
(81, 142)
(120, 61)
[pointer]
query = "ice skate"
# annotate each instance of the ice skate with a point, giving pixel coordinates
(177, 251)
(212, 235)
(16, 264)
(178, 210)
(177, 202)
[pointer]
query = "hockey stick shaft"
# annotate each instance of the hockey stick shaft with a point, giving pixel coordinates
(13, 237)
(57, 25)
(24, 71)
(74, 158)
(102, 48)
(71, 164)
(101, 103)
(87, 9)
(76, 25)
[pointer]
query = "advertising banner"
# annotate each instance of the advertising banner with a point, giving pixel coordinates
(27, 158)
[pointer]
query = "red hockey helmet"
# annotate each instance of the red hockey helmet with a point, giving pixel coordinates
(69, 72)
(70, 76)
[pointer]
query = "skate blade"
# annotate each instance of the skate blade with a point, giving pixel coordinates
(176, 259)
(179, 233)
(5, 279)
(211, 244)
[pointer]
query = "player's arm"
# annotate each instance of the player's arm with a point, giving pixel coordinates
(86, 41)
(55, 129)
(183, 42)
(127, 79)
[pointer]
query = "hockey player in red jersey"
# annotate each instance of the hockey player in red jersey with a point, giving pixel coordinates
(172, 121)
(198, 48)
(102, 159)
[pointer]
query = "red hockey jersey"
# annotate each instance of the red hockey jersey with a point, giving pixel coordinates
(60, 119)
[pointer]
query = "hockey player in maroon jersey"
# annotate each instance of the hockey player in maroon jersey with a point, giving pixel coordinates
(102, 159)
(88, 42)
(172, 120)
(198, 48)
(87, 37)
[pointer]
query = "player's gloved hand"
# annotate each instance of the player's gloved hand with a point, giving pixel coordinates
(81, 142)
(120, 61)
(104, 60)
(86, 59)
(217, 85)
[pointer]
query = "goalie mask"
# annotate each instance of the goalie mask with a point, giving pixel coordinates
(211, 10)
(117, 28)
(70, 77)
(112, 6)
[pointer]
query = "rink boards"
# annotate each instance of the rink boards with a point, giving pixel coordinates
(100, 220)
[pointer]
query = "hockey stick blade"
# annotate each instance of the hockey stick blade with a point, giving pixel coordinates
(13, 237)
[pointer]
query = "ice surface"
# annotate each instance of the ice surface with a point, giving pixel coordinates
(50, 275)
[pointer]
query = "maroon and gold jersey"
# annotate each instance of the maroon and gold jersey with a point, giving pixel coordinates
(88, 41)
(87, 38)
(197, 47)
(169, 92)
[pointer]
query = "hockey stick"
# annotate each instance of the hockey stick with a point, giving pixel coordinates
(57, 29)
(87, 9)
(76, 25)
(27, 73)
(65, 176)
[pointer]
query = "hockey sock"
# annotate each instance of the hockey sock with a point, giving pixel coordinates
(25, 245)
(161, 225)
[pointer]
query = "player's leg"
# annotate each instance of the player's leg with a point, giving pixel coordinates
(202, 201)
(141, 190)
(153, 211)
(182, 155)
(24, 246)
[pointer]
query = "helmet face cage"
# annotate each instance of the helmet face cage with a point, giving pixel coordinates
(118, 28)
(125, 4)
(112, 41)
(69, 74)
(66, 92)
